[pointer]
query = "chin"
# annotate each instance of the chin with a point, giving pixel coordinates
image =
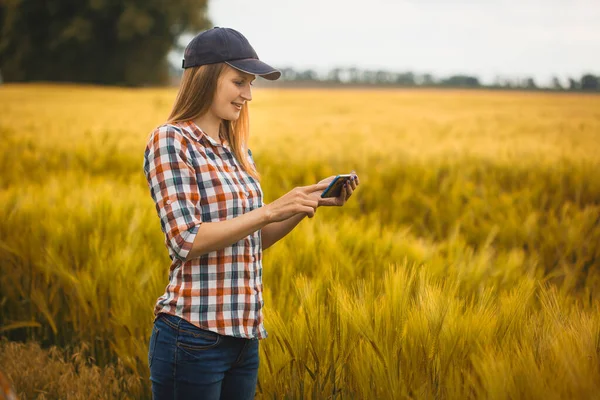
(230, 117)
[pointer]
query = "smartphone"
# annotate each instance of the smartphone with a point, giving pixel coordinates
(335, 187)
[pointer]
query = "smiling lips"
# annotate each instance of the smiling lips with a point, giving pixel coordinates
(237, 105)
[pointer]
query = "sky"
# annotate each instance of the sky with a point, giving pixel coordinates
(484, 38)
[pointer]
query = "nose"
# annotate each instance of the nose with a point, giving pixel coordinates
(246, 93)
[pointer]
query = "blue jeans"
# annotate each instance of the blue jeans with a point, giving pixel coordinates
(187, 362)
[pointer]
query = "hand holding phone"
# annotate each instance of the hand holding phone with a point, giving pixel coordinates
(335, 187)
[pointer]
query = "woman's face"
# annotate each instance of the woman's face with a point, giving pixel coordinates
(233, 90)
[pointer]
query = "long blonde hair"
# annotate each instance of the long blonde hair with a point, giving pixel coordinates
(196, 93)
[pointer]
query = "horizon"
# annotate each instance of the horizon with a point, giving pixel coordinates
(487, 40)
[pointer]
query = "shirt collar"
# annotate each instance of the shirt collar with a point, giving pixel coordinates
(198, 134)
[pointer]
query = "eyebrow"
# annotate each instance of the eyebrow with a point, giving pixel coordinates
(245, 78)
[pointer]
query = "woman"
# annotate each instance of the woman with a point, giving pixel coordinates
(206, 189)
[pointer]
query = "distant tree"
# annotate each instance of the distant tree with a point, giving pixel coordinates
(307, 75)
(556, 85)
(405, 78)
(590, 82)
(428, 80)
(461, 80)
(509, 83)
(499, 82)
(98, 41)
(354, 75)
(530, 83)
(382, 77)
(369, 76)
(334, 75)
(288, 74)
(573, 84)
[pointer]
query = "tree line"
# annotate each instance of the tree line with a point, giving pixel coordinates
(357, 76)
(126, 42)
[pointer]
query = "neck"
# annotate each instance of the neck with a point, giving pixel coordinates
(209, 125)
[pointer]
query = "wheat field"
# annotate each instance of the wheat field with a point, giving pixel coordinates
(465, 266)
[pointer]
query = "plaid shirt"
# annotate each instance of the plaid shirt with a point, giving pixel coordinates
(194, 179)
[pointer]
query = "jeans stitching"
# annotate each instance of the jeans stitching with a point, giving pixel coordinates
(152, 346)
(166, 321)
(175, 357)
(239, 359)
(207, 335)
(198, 348)
(177, 327)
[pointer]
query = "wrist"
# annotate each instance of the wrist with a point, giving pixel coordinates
(267, 215)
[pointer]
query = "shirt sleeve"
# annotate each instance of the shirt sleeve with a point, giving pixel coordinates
(172, 181)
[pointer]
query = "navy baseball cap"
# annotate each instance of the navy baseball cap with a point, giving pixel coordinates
(229, 46)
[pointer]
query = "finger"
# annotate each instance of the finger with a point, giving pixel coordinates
(348, 193)
(312, 203)
(343, 197)
(316, 187)
(310, 212)
(309, 202)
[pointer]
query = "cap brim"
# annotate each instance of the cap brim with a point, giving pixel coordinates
(255, 67)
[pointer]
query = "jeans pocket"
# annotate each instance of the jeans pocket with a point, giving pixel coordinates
(152, 344)
(194, 340)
